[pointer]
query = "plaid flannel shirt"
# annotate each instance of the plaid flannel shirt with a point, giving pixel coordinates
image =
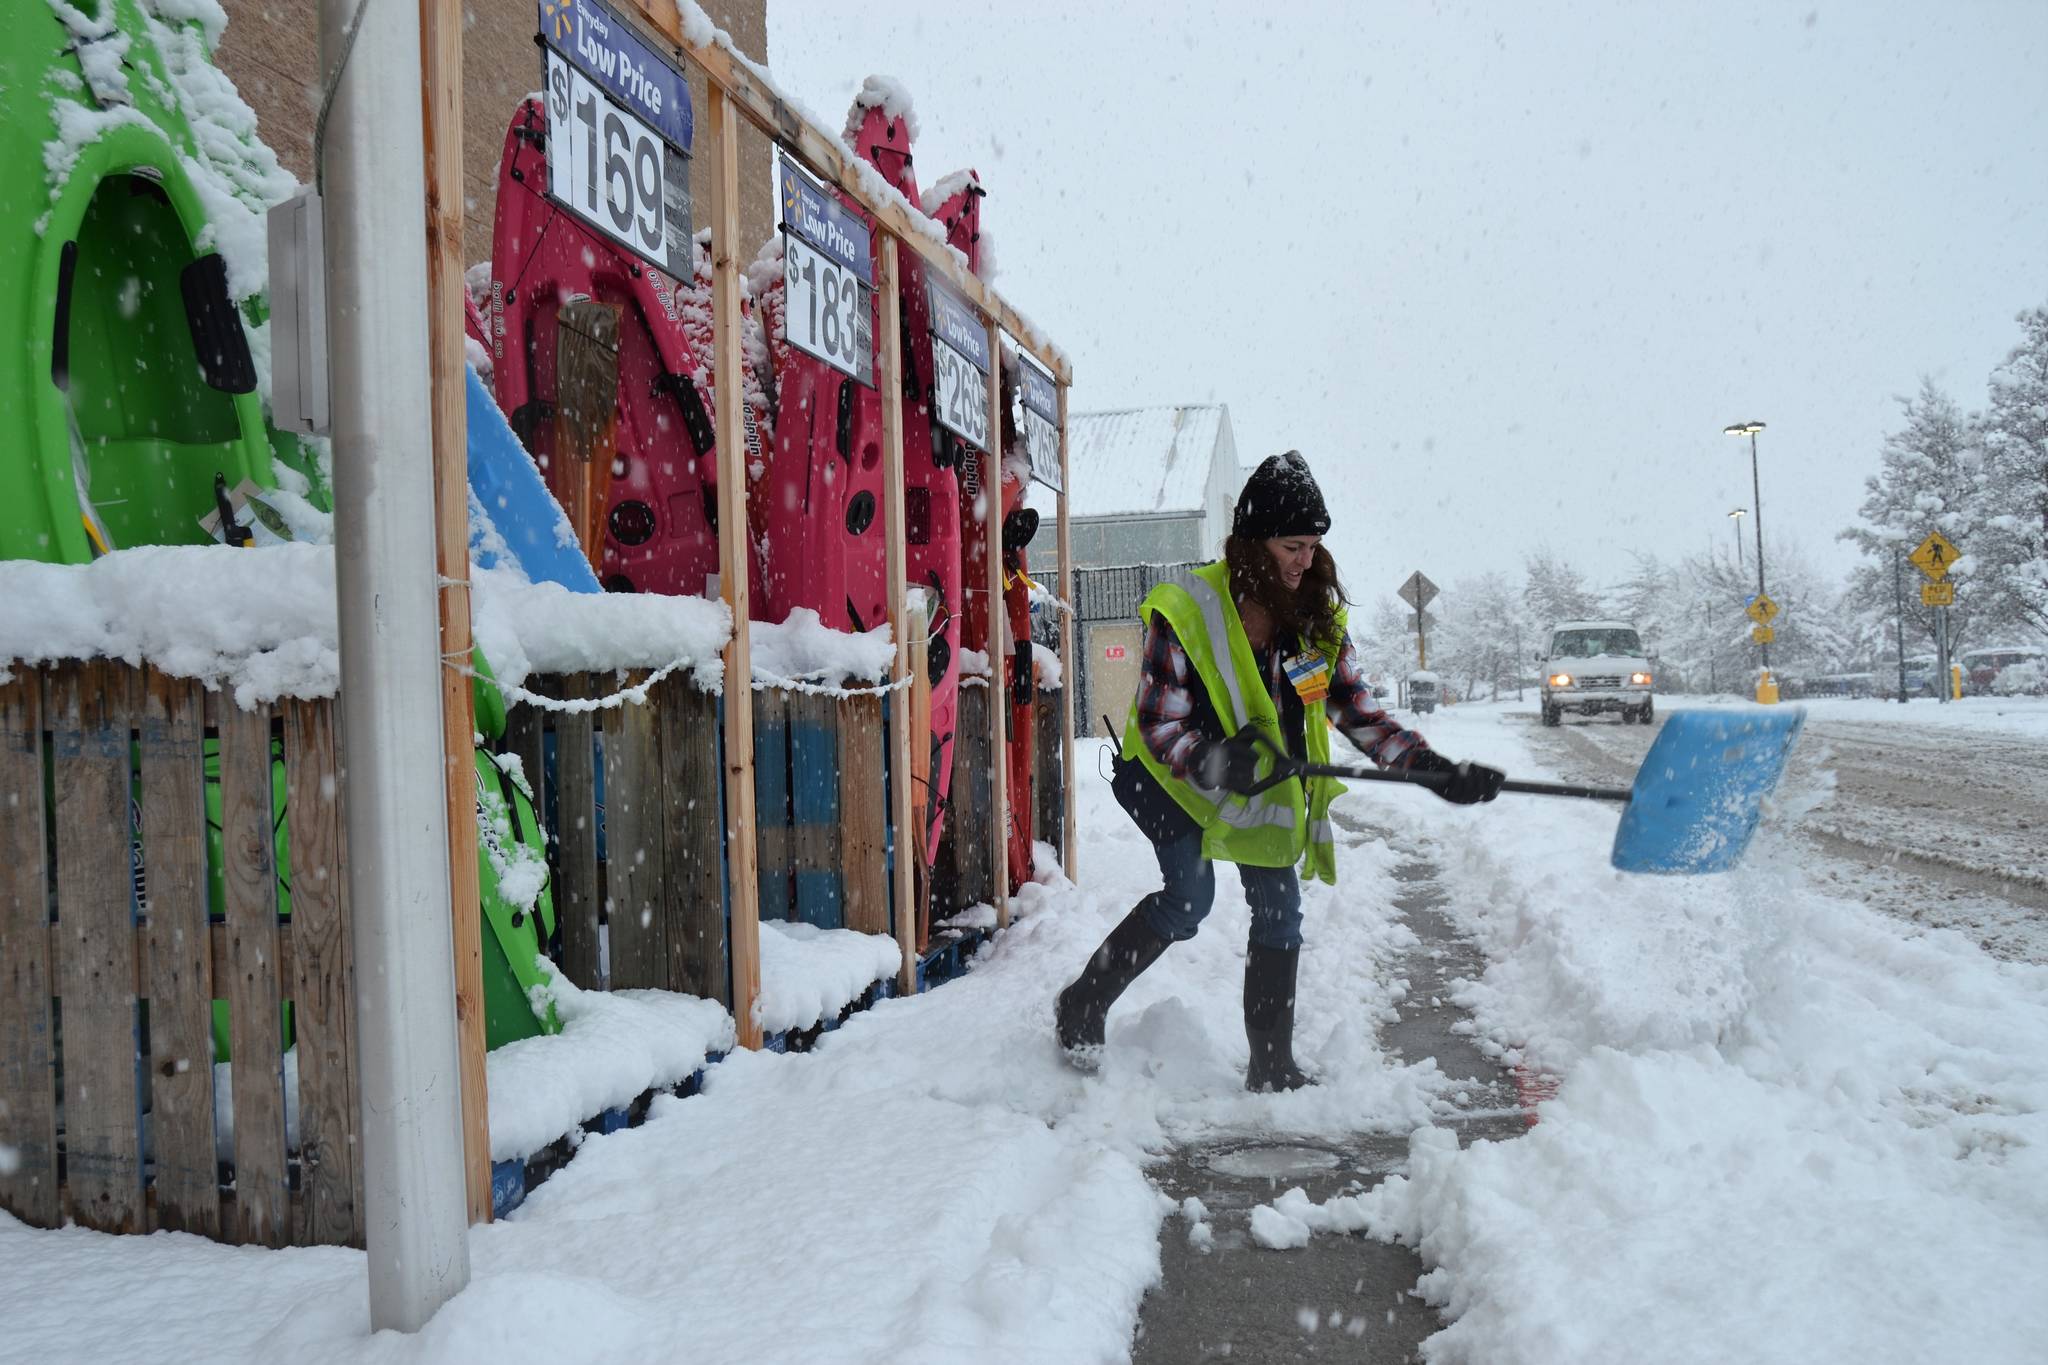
(1167, 712)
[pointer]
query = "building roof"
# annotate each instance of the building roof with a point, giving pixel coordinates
(1137, 462)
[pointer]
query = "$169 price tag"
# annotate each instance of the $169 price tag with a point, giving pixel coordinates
(613, 171)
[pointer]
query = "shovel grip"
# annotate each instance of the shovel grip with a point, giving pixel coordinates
(1286, 768)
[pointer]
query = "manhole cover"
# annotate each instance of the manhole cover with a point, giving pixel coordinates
(1272, 1163)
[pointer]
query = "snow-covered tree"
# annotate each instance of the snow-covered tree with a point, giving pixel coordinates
(1930, 478)
(1484, 635)
(1554, 590)
(2012, 549)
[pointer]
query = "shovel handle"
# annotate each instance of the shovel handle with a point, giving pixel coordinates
(1434, 780)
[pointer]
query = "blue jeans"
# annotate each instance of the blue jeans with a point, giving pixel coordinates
(1178, 908)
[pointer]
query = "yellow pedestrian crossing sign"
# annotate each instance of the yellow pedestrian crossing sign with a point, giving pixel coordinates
(1761, 609)
(1937, 594)
(1934, 556)
(1763, 635)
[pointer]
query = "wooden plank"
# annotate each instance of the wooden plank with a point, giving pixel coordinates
(577, 902)
(330, 1208)
(252, 985)
(906, 864)
(633, 809)
(28, 1034)
(441, 23)
(96, 919)
(525, 739)
(998, 645)
(922, 855)
(814, 857)
(1068, 853)
(977, 887)
(863, 816)
(1050, 780)
(177, 970)
(693, 832)
(733, 560)
(963, 854)
(745, 87)
(771, 802)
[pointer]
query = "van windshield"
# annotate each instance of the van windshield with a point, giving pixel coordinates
(1611, 642)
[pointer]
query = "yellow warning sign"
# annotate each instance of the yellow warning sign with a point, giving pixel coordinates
(1934, 556)
(1937, 594)
(1763, 635)
(1761, 609)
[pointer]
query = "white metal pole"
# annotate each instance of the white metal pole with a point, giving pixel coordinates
(386, 586)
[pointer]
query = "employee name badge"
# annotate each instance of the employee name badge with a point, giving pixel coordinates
(1310, 674)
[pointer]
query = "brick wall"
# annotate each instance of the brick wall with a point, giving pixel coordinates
(270, 52)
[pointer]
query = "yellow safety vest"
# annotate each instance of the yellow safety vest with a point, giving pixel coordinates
(1283, 824)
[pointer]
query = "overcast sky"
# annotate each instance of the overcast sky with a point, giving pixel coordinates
(1502, 271)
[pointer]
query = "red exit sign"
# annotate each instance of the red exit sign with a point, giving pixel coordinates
(1112, 651)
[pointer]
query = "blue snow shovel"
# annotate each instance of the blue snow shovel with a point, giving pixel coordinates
(1696, 799)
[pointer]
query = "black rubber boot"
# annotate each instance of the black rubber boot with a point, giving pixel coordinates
(1269, 1018)
(1083, 1007)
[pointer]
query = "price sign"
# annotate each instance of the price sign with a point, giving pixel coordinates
(827, 278)
(612, 171)
(1041, 424)
(960, 366)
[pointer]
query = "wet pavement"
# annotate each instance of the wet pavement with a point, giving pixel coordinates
(1340, 1298)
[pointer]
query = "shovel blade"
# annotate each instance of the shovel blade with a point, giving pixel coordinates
(1701, 789)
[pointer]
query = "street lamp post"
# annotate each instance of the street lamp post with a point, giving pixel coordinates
(1750, 429)
(1736, 516)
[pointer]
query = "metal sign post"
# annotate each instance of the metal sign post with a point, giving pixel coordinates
(1934, 557)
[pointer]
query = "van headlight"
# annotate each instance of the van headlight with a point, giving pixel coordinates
(1639, 679)
(1560, 680)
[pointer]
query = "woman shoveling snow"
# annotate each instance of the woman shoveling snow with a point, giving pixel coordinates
(1237, 658)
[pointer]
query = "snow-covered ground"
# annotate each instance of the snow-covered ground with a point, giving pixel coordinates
(1792, 1125)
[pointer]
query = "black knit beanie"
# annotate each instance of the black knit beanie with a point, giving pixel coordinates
(1280, 499)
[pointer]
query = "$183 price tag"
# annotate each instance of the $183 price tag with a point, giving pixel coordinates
(827, 310)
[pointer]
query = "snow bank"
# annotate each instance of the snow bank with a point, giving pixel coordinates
(809, 974)
(613, 1046)
(1787, 1128)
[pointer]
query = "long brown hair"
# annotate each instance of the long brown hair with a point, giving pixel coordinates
(1309, 612)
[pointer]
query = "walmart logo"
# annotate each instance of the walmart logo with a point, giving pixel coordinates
(559, 14)
(789, 199)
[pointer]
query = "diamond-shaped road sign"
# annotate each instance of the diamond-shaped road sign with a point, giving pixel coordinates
(1761, 609)
(1934, 556)
(1417, 591)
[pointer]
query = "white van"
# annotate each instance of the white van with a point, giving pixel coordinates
(1595, 666)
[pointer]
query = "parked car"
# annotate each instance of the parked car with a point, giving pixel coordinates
(1596, 666)
(1425, 690)
(1981, 667)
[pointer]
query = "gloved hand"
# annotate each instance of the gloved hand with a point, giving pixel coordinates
(1470, 783)
(1230, 764)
